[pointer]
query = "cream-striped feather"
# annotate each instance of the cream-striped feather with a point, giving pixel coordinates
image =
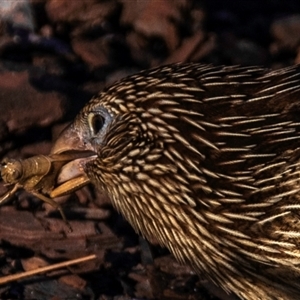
(206, 160)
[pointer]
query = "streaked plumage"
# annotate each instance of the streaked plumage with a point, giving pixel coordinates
(206, 160)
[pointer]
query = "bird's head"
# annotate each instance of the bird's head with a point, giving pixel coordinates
(141, 149)
(123, 148)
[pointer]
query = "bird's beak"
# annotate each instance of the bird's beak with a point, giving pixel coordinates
(72, 175)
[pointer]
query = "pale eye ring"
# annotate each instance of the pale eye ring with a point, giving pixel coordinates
(96, 122)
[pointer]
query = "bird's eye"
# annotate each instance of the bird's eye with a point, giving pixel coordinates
(96, 122)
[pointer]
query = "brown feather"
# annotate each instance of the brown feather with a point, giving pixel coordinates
(206, 160)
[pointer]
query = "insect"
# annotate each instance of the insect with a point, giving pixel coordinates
(37, 175)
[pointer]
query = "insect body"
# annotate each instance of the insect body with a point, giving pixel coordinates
(37, 175)
(28, 172)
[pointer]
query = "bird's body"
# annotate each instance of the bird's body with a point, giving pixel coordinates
(207, 161)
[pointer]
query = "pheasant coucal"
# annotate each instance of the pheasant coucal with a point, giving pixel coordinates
(206, 160)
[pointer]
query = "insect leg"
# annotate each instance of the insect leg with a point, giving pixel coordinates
(55, 205)
(69, 186)
(9, 193)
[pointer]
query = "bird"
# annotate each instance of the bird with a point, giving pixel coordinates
(205, 160)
